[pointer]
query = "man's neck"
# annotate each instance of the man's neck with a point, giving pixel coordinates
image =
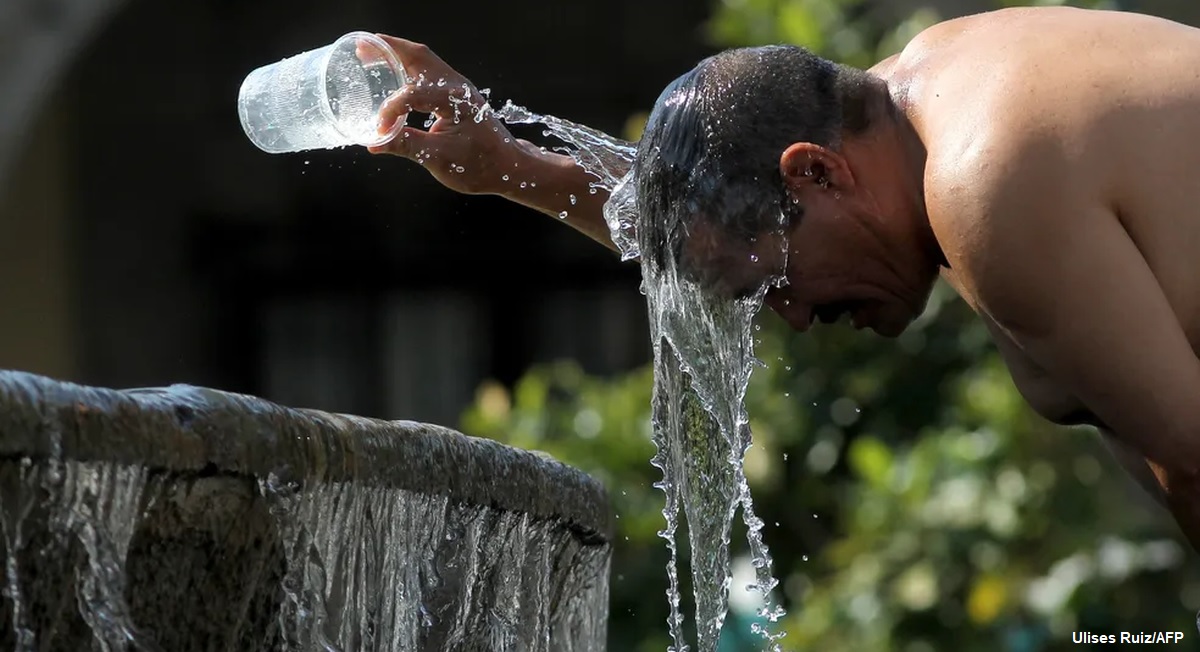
(899, 156)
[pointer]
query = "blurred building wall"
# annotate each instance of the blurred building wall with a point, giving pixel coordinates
(38, 289)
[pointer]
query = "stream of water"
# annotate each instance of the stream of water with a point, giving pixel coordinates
(703, 358)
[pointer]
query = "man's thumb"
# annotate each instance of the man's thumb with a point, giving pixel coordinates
(411, 143)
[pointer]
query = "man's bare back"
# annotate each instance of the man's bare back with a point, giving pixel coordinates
(1062, 133)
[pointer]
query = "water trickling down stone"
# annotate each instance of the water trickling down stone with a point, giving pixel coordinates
(187, 519)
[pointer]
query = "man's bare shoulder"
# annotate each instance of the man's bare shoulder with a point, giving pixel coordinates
(1054, 69)
(989, 197)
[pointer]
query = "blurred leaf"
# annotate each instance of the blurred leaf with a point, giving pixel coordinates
(798, 26)
(988, 597)
(872, 460)
(635, 125)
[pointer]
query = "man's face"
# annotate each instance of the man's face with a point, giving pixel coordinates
(829, 276)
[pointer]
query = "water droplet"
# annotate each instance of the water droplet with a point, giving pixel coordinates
(562, 215)
(505, 177)
(458, 168)
(441, 82)
(803, 557)
(523, 184)
(573, 200)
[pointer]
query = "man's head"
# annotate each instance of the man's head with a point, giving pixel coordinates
(761, 152)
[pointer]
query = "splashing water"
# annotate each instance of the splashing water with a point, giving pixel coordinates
(703, 358)
(602, 155)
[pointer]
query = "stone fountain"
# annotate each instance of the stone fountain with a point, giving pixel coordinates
(184, 518)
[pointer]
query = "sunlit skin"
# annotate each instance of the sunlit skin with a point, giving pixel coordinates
(1042, 161)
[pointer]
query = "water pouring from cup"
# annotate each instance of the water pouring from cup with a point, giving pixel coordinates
(324, 98)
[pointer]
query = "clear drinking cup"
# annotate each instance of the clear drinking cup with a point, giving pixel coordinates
(322, 99)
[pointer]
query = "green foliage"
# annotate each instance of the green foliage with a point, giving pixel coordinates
(913, 502)
(854, 32)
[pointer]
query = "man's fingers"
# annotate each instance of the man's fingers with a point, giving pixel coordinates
(410, 143)
(396, 107)
(417, 58)
(427, 97)
(368, 52)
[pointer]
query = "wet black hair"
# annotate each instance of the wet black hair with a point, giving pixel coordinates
(712, 143)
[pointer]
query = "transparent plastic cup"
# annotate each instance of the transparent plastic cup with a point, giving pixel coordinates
(324, 98)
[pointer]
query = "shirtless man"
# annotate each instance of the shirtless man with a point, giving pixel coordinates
(1040, 160)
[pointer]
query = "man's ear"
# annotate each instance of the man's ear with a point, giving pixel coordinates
(805, 164)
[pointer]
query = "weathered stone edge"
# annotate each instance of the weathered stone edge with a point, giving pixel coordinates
(194, 429)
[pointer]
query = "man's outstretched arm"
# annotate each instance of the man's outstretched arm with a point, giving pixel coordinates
(478, 155)
(562, 189)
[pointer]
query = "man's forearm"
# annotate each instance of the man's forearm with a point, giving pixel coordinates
(555, 185)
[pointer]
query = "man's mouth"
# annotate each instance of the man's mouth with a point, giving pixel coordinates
(829, 313)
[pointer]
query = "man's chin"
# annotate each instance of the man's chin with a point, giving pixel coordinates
(890, 331)
(891, 327)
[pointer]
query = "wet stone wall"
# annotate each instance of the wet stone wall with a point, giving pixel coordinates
(185, 519)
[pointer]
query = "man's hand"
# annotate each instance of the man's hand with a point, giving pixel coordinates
(467, 148)
(470, 151)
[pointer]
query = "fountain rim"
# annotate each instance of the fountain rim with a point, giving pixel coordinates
(202, 431)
